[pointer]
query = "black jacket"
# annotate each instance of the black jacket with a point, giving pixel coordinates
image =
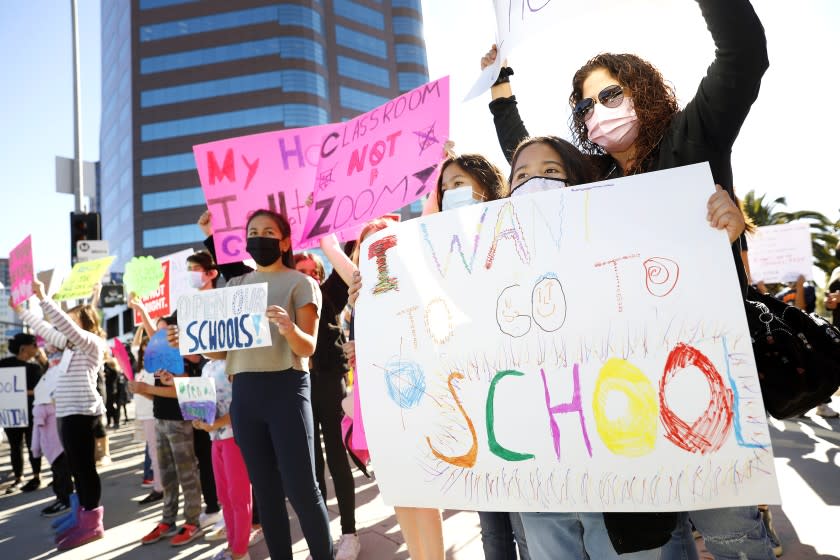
(704, 130)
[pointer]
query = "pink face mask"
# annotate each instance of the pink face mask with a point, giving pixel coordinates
(614, 129)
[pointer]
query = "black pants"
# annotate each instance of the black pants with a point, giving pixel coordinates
(272, 423)
(16, 437)
(77, 436)
(62, 479)
(328, 389)
(203, 452)
(112, 410)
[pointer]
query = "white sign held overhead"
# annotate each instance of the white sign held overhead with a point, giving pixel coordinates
(547, 353)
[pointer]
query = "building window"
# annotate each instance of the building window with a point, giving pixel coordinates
(361, 42)
(410, 80)
(359, 13)
(358, 100)
(176, 198)
(171, 235)
(287, 47)
(410, 53)
(233, 119)
(362, 71)
(407, 26)
(284, 14)
(150, 4)
(167, 164)
(289, 80)
(406, 4)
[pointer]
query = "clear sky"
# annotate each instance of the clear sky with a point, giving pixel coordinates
(785, 148)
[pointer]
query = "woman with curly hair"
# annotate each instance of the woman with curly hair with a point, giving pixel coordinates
(626, 119)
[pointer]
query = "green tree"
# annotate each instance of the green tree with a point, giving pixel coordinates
(823, 231)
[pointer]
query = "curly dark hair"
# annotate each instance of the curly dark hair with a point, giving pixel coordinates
(653, 99)
(579, 169)
(487, 175)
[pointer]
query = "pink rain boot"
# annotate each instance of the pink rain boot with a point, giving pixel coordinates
(89, 529)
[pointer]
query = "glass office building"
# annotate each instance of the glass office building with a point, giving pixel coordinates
(182, 72)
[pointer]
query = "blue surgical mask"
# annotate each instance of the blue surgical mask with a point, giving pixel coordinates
(457, 198)
(538, 184)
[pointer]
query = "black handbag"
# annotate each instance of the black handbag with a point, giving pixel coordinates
(797, 355)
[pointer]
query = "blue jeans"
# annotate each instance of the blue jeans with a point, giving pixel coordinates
(501, 532)
(147, 465)
(574, 535)
(735, 533)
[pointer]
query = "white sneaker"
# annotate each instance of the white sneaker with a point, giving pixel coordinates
(348, 547)
(207, 519)
(256, 537)
(216, 533)
(826, 411)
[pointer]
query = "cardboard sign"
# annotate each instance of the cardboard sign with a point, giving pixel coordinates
(197, 398)
(274, 170)
(160, 356)
(355, 171)
(143, 275)
(231, 318)
(21, 271)
(121, 355)
(14, 412)
(380, 161)
(112, 295)
(781, 253)
(547, 353)
(83, 277)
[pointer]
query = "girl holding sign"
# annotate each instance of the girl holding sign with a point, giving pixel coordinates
(271, 412)
(78, 406)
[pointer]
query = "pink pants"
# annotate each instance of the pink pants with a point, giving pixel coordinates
(151, 438)
(234, 489)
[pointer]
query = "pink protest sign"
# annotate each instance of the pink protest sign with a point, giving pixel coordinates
(380, 161)
(21, 271)
(273, 170)
(121, 355)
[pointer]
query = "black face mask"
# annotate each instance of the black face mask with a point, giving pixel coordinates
(264, 250)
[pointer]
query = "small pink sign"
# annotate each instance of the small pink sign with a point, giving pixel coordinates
(21, 272)
(121, 355)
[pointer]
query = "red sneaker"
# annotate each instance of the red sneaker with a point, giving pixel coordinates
(186, 534)
(160, 531)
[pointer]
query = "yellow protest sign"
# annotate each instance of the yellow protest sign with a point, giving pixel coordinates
(83, 278)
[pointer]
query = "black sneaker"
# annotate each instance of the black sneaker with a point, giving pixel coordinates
(57, 508)
(32, 485)
(151, 498)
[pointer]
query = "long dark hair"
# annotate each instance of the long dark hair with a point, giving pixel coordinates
(579, 169)
(487, 175)
(654, 101)
(287, 257)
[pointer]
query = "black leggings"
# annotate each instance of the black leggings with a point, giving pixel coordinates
(328, 389)
(203, 452)
(77, 437)
(62, 480)
(16, 437)
(272, 423)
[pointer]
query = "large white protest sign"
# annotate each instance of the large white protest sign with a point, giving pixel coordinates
(583, 349)
(13, 407)
(224, 319)
(781, 253)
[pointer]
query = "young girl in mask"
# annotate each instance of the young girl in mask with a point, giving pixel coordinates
(271, 412)
(468, 179)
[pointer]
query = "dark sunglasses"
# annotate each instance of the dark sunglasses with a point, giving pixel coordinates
(610, 96)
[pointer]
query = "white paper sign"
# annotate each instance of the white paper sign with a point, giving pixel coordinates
(14, 412)
(561, 352)
(781, 253)
(197, 398)
(231, 318)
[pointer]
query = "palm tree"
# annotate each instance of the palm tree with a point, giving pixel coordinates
(823, 231)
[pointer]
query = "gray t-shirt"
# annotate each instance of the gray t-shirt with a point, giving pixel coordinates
(291, 290)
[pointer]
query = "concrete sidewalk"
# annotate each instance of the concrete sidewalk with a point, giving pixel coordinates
(807, 460)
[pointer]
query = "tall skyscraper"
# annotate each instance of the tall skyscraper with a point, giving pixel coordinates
(176, 73)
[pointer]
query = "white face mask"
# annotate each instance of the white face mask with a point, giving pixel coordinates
(197, 280)
(456, 198)
(538, 184)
